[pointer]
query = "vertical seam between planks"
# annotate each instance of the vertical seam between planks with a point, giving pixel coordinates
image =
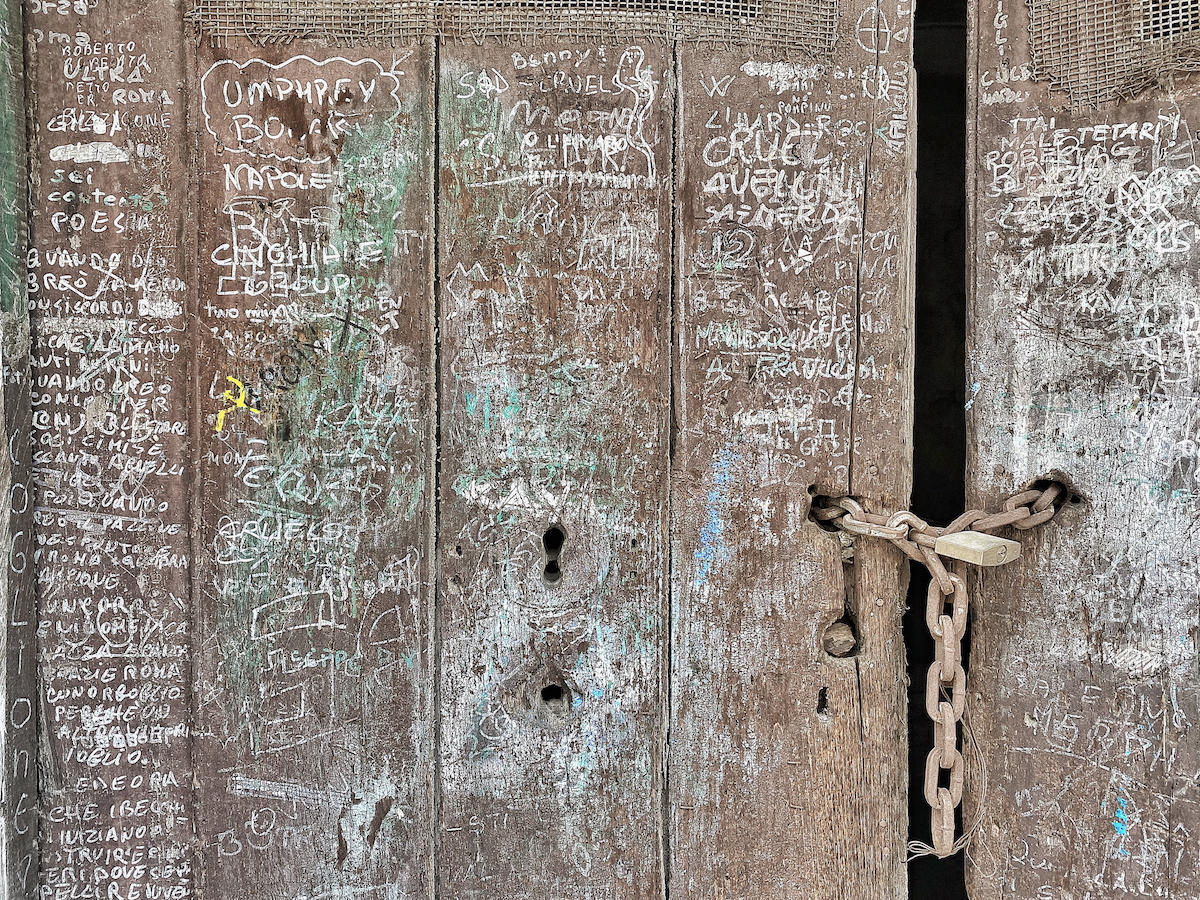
(672, 430)
(867, 158)
(191, 262)
(434, 443)
(31, 146)
(971, 286)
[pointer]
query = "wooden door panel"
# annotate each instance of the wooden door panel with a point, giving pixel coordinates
(19, 869)
(402, 545)
(554, 230)
(794, 205)
(314, 334)
(109, 271)
(1081, 365)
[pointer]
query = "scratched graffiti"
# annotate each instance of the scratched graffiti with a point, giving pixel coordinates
(1085, 244)
(554, 393)
(314, 650)
(269, 470)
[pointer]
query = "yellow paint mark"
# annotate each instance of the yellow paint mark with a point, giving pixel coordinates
(239, 402)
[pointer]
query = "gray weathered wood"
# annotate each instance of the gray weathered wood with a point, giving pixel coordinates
(787, 764)
(313, 433)
(1082, 361)
(19, 786)
(253, 425)
(554, 243)
(108, 291)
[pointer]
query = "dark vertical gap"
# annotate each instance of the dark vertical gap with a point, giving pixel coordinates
(851, 486)
(672, 430)
(939, 427)
(434, 548)
(191, 480)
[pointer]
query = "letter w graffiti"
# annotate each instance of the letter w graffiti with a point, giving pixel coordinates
(718, 86)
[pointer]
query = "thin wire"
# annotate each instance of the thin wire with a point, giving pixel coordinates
(917, 849)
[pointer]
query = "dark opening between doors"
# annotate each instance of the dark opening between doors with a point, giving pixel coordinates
(939, 440)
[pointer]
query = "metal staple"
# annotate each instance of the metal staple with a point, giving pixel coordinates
(946, 682)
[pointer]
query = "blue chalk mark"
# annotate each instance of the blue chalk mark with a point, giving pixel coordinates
(975, 388)
(1121, 820)
(1120, 825)
(712, 550)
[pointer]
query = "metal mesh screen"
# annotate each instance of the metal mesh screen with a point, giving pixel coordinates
(337, 21)
(1170, 18)
(778, 27)
(1102, 50)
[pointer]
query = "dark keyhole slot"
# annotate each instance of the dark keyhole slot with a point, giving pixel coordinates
(823, 702)
(552, 545)
(552, 693)
(552, 540)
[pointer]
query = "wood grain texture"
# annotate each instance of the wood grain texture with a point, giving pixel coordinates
(108, 286)
(555, 302)
(351, 588)
(787, 765)
(1082, 361)
(18, 696)
(313, 449)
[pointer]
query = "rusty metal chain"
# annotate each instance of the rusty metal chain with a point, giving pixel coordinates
(946, 682)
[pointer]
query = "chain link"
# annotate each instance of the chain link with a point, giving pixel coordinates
(946, 682)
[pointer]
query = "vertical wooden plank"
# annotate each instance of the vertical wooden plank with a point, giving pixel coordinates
(1082, 361)
(788, 766)
(314, 431)
(554, 242)
(18, 749)
(108, 288)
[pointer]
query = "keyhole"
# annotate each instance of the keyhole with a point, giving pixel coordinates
(552, 545)
(556, 699)
(553, 539)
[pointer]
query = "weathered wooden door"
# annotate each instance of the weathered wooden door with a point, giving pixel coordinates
(1082, 366)
(427, 406)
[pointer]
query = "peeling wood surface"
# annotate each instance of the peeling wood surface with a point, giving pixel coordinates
(1081, 360)
(397, 540)
(794, 199)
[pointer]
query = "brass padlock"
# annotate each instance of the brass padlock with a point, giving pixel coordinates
(978, 548)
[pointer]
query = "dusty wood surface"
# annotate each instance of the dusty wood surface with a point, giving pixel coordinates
(313, 434)
(19, 786)
(1082, 359)
(788, 766)
(555, 303)
(257, 679)
(108, 287)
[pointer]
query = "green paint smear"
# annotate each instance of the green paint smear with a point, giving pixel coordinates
(348, 431)
(468, 212)
(13, 298)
